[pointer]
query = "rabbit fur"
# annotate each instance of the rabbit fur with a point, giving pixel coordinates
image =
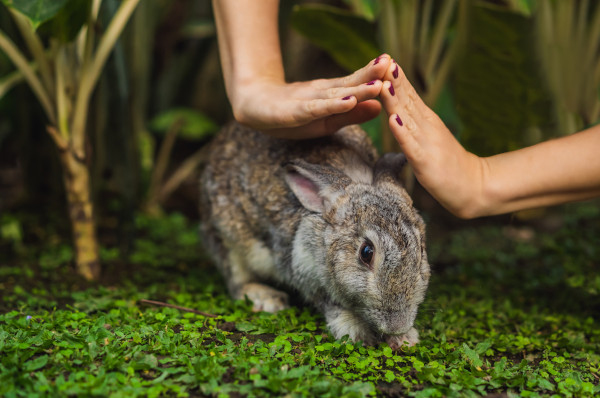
(302, 217)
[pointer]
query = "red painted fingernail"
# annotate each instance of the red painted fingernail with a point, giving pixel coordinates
(392, 90)
(370, 83)
(376, 60)
(395, 72)
(399, 121)
(346, 98)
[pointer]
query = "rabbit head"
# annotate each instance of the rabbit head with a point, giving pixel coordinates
(369, 244)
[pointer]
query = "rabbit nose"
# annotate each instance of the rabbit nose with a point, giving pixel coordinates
(397, 341)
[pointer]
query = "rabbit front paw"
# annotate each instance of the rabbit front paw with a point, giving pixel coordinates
(264, 298)
(409, 339)
(342, 322)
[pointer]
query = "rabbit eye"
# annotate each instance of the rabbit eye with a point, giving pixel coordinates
(366, 253)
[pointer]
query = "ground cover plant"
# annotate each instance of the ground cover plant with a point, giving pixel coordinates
(512, 310)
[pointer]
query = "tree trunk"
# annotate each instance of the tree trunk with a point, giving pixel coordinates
(81, 212)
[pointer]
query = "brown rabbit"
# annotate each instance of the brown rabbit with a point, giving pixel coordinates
(322, 218)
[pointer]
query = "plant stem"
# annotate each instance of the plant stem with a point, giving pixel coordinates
(184, 171)
(37, 49)
(62, 105)
(9, 81)
(29, 74)
(162, 162)
(91, 72)
(76, 177)
(439, 36)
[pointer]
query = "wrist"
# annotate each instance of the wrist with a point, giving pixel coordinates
(477, 197)
(247, 92)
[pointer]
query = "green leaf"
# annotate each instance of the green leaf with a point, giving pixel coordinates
(349, 39)
(194, 125)
(67, 23)
(524, 7)
(389, 376)
(365, 8)
(145, 361)
(10, 229)
(36, 363)
(472, 356)
(38, 11)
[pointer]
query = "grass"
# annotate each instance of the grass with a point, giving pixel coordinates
(510, 310)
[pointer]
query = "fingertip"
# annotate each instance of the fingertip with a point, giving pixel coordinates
(381, 59)
(369, 90)
(399, 121)
(379, 65)
(389, 87)
(394, 72)
(396, 123)
(349, 102)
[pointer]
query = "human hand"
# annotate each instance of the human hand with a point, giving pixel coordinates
(453, 176)
(310, 109)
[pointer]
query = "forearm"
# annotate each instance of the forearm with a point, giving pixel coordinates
(552, 172)
(248, 42)
(259, 95)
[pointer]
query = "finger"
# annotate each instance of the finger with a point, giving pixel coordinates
(403, 117)
(374, 70)
(408, 97)
(404, 130)
(361, 113)
(311, 110)
(362, 92)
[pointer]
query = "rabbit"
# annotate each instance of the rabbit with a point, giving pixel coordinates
(323, 218)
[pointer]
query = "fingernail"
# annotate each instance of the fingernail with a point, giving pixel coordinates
(395, 72)
(346, 98)
(376, 60)
(392, 91)
(399, 121)
(370, 83)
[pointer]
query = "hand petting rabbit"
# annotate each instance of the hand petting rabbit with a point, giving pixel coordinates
(323, 218)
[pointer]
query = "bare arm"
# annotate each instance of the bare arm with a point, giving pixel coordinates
(549, 173)
(255, 82)
(248, 42)
(552, 172)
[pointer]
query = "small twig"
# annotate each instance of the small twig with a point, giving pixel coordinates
(161, 304)
(182, 173)
(162, 162)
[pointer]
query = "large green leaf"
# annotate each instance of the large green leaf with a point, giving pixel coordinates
(365, 8)
(37, 11)
(67, 22)
(195, 125)
(349, 39)
(498, 90)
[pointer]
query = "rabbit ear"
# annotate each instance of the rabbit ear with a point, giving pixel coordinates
(315, 186)
(388, 168)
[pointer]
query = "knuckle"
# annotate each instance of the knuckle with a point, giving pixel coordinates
(348, 79)
(333, 92)
(312, 108)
